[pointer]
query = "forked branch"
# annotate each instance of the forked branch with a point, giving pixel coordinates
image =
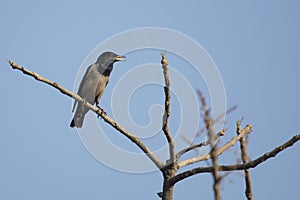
(219, 151)
(243, 166)
(202, 144)
(165, 126)
(244, 155)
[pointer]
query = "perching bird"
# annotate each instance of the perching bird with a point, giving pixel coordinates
(93, 84)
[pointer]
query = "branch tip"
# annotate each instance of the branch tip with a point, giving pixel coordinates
(248, 128)
(164, 60)
(222, 132)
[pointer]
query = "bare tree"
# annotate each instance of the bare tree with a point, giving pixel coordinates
(170, 167)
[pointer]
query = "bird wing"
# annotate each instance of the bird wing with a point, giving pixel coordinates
(89, 84)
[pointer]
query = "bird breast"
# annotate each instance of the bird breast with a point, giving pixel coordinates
(103, 81)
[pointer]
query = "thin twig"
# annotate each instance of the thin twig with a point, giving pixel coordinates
(206, 112)
(97, 110)
(212, 138)
(204, 143)
(166, 116)
(243, 166)
(221, 116)
(219, 151)
(244, 156)
(218, 119)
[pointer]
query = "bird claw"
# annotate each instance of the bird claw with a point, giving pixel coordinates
(100, 109)
(97, 105)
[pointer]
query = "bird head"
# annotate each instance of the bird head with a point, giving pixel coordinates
(108, 58)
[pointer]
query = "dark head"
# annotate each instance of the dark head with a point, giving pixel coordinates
(108, 58)
(106, 61)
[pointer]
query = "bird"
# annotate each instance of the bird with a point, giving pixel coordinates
(93, 85)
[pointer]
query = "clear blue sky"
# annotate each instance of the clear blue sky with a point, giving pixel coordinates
(255, 46)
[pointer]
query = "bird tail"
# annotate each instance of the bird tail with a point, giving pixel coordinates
(78, 118)
(77, 121)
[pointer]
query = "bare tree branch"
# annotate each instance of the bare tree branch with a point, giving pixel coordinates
(212, 138)
(98, 111)
(204, 143)
(243, 166)
(169, 170)
(219, 119)
(219, 151)
(207, 118)
(214, 158)
(243, 147)
(165, 127)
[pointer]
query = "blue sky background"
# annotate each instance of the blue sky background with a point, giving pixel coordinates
(254, 44)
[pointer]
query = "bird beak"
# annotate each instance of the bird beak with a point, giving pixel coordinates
(119, 58)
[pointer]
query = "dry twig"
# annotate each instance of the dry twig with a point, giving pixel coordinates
(212, 138)
(243, 147)
(214, 158)
(165, 126)
(204, 143)
(219, 151)
(243, 166)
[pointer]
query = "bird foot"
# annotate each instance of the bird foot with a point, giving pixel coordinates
(100, 110)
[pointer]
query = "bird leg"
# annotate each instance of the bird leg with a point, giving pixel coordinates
(97, 105)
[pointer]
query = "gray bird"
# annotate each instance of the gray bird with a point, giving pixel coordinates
(93, 84)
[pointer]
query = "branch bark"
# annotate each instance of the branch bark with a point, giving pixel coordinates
(243, 166)
(170, 169)
(98, 111)
(166, 116)
(212, 138)
(214, 158)
(243, 147)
